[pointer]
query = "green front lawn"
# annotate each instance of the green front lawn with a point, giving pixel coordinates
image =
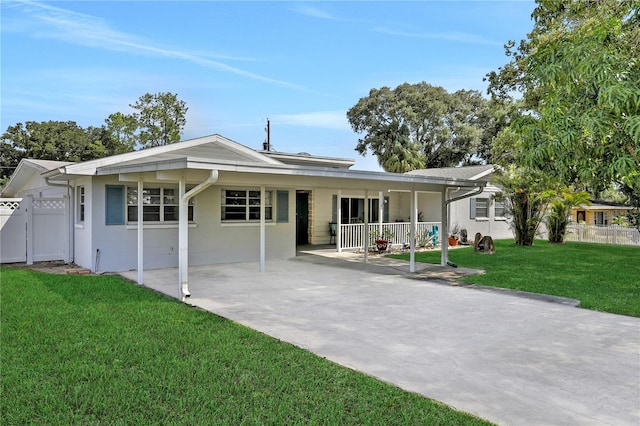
(100, 350)
(603, 277)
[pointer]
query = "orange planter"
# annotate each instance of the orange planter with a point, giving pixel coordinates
(453, 241)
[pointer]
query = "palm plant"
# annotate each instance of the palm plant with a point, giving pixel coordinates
(560, 208)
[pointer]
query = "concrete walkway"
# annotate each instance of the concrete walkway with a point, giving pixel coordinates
(508, 359)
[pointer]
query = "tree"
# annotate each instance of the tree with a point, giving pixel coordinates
(121, 132)
(579, 76)
(49, 140)
(526, 197)
(160, 118)
(9, 159)
(418, 125)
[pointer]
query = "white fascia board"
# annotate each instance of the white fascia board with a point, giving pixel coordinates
(330, 172)
(284, 169)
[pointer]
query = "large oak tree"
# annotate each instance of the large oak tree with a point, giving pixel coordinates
(419, 126)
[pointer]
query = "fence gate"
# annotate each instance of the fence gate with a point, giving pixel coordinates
(13, 230)
(34, 229)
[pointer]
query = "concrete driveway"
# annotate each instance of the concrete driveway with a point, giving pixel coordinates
(508, 359)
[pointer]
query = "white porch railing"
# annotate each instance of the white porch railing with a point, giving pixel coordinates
(613, 234)
(351, 235)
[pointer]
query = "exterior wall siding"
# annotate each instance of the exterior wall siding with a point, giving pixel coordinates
(210, 240)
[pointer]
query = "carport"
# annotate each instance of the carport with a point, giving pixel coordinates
(507, 359)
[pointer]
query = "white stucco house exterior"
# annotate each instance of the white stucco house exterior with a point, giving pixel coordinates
(478, 213)
(212, 200)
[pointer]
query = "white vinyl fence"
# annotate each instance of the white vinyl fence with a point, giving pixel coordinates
(34, 229)
(614, 234)
(351, 235)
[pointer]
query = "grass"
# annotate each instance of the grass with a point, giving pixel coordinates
(98, 349)
(603, 277)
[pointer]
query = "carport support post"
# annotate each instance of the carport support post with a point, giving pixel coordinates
(412, 232)
(262, 228)
(140, 230)
(444, 243)
(365, 232)
(183, 239)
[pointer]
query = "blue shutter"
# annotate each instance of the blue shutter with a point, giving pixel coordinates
(472, 212)
(282, 206)
(114, 205)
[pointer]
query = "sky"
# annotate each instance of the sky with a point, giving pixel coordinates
(301, 65)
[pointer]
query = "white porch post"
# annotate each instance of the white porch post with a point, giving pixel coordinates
(380, 211)
(262, 228)
(183, 238)
(339, 219)
(365, 231)
(412, 232)
(444, 252)
(140, 230)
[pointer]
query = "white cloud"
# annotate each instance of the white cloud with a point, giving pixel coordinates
(87, 30)
(323, 119)
(455, 36)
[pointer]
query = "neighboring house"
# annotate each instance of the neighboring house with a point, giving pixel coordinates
(211, 200)
(600, 213)
(479, 213)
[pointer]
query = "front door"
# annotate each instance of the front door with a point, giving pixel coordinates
(302, 218)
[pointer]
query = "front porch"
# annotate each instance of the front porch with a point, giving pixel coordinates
(353, 236)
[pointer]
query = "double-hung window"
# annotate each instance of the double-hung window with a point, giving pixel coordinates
(500, 211)
(244, 205)
(479, 208)
(80, 204)
(159, 205)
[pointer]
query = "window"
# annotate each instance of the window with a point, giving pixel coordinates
(80, 204)
(159, 205)
(499, 209)
(601, 218)
(479, 208)
(244, 205)
(352, 210)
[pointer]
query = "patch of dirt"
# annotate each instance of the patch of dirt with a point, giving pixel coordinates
(49, 267)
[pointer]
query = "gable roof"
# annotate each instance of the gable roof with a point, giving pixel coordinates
(466, 172)
(207, 147)
(26, 169)
(216, 152)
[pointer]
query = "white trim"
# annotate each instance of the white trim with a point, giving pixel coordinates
(245, 224)
(173, 225)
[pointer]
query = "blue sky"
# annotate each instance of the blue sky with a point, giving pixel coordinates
(235, 64)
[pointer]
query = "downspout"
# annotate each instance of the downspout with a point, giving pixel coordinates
(72, 219)
(183, 231)
(444, 253)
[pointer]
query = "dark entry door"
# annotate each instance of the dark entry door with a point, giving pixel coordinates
(302, 218)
